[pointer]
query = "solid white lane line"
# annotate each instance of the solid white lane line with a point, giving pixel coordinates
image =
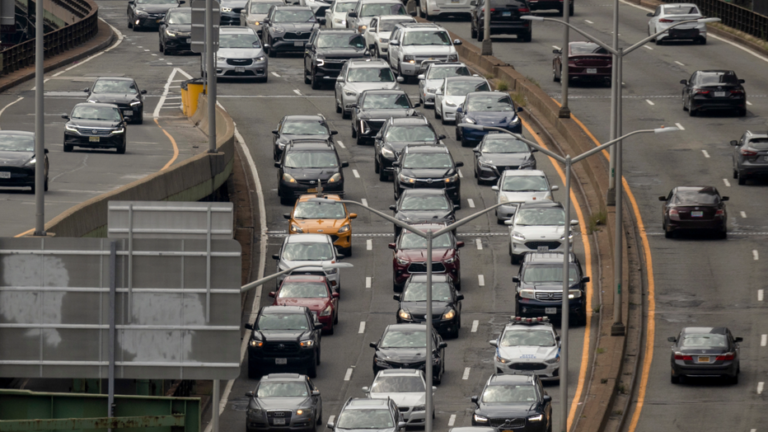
(650, 102)
(361, 330)
(368, 282)
(452, 420)
(760, 295)
(679, 126)
(744, 215)
(588, 22)
(166, 89)
(480, 280)
(555, 47)
(341, 144)
(460, 174)
(760, 387)
(348, 375)
(364, 201)
(471, 203)
(727, 183)
(749, 103)
(479, 244)
(275, 74)
(357, 174)
(475, 324)
(679, 63)
(755, 255)
(369, 244)
(764, 340)
(646, 46)
(466, 374)
(297, 92)
(706, 155)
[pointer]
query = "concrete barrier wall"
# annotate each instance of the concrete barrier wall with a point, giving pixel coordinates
(190, 180)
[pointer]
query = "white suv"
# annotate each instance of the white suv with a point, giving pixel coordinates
(431, 9)
(380, 29)
(360, 17)
(538, 227)
(412, 44)
(358, 75)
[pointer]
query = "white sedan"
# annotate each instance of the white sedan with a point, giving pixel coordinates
(667, 15)
(336, 15)
(453, 92)
(378, 32)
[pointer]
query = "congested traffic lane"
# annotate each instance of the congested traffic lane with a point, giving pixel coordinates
(698, 281)
(365, 312)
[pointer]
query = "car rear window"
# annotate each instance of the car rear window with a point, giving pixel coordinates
(704, 340)
(701, 196)
(759, 144)
(681, 10)
(587, 48)
(708, 78)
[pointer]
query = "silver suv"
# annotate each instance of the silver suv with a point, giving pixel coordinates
(302, 249)
(413, 44)
(358, 75)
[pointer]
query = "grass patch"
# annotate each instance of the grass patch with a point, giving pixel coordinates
(489, 77)
(618, 412)
(622, 388)
(600, 350)
(519, 99)
(596, 220)
(533, 80)
(596, 309)
(502, 86)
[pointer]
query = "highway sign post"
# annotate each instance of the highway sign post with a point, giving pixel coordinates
(206, 15)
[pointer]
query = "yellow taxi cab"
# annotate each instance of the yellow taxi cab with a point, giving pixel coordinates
(332, 219)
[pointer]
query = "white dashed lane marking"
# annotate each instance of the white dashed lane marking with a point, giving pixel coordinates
(727, 183)
(679, 126)
(361, 330)
(466, 374)
(705, 153)
(480, 280)
(475, 324)
(479, 244)
(452, 420)
(764, 340)
(759, 295)
(471, 203)
(348, 375)
(341, 144)
(367, 282)
(588, 22)
(645, 46)
(679, 63)
(760, 387)
(369, 244)
(650, 102)
(275, 74)
(749, 103)
(364, 201)
(555, 47)
(460, 174)
(744, 215)
(297, 92)
(755, 255)
(357, 174)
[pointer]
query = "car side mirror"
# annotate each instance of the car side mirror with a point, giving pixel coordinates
(45, 151)
(334, 132)
(402, 425)
(393, 207)
(672, 339)
(396, 297)
(392, 245)
(366, 389)
(508, 222)
(741, 81)
(315, 392)
(143, 92)
(557, 51)
(534, 150)
(286, 215)
(330, 425)
(493, 343)
(725, 198)
(335, 294)
(495, 188)
(662, 198)
(318, 326)
(684, 82)
(272, 294)
(459, 164)
(373, 344)
(417, 104)
(460, 297)
(519, 109)
(456, 206)
(574, 222)
(649, 14)
(441, 137)
(585, 279)
(86, 90)
(738, 339)
(275, 132)
(344, 164)
(459, 110)
(421, 77)
(276, 256)
(547, 398)
(65, 116)
(353, 215)
(400, 79)
(395, 164)
(394, 43)
(515, 279)
(277, 164)
(352, 14)
(457, 41)
(248, 326)
(265, 20)
(555, 188)
(459, 244)
(734, 143)
(320, 20)
(473, 399)
(442, 345)
(248, 393)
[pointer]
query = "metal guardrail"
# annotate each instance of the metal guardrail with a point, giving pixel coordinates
(56, 41)
(734, 16)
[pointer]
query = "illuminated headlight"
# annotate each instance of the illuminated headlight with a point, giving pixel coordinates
(527, 294)
(536, 418)
(256, 344)
(574, 293)
(449, 315)
(305, 412)
(259, 59)
(452, 179)
(431, 89)
(383, 40)
(409, 59)
(141, 13)
(31, 163)
(406, 179)
(402, 261)
(361, 28)
(326, 311)
(404, 315)
(119, 131)
(518, 236)
(296, 229)
(289, 178)
(350, 92)
(278, 30)
(420, 408)
(480, 419)
(469, 120)
(171, 33)
(138, 22)
(449, 103)
(256, 23)
(344, 229)
(71, 128)
(307, 344)
(334, 178)
(453, 57)
(226, 9)
(501, 359)
(387, 153)
(136, 103)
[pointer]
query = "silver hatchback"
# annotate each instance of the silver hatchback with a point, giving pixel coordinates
(750, 157)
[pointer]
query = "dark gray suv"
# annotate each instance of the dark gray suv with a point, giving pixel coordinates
(750, 157)
(290, 402)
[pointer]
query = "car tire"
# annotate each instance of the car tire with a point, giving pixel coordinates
(160, 47)
(346, 115)
(734, 379)
(742, 112)
(514, 259)
(140, 117)
(437, 115)
(329, 332)
(735, 174)
(383, 176)
(742, 179)
(271, 52)
(306, 77)
(472, 32)
(674, 379)
(336, 101)
(45, 185)
(555, 78)
(443, 120)
(313, 81)
(336, 317)
(691, 112)
(286, 201)
(121, 148)
(703, 41)
(659, 41)
(668, 233)
(570, 10)
(312, 370)
(723, 234)
(527, 38)
(376, 166)
(68, 148)
(130, 22)
(253, 371)
(480, 34)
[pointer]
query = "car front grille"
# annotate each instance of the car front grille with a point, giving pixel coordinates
(240, 62)
(422, 317)
(284, 415)
(308, 183)
(549, 295)
(420, 59)
(547, 244)
(281, 348)
(508, 423)
(334, 64)
(297, 36)
(94, 132)
(422, 268)
(501, 169)
(528, 366)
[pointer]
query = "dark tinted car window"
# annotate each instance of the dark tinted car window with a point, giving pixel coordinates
(701, 196)
(13, 142)
(181, 16)
(340, 40)
(587, 48)
(293, 16)
(759, 144)
(707, 78)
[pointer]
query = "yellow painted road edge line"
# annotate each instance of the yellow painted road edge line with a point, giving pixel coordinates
(588, 253)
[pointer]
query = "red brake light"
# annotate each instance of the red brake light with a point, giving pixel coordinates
(737, 91)
(674, 215)
(702, 92)
(664, 20)
(523, 10)
(720, 213)
(493, 9)
(745, 152)
(679, 356)
(725, 357)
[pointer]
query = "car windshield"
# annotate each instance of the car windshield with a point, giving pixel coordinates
(90, 112)
(239, 41)
(365, 419)
(282, 389)
(524, 184)
(157, 2)
(410, 240)
(436, 37)
(340, 40)
(549, 273)
(404, 339)
(586, 48)
(311, 159)
(313, 210)
(696, 196)
(417, 291)
(461, 87)
(389, 25)
(704, 340)
(681, 10)
(308, 252)
(509, 394)
(345, 7)
(758, 143)
(294, 321)
(410, 134)
(428, 161)
(540, 338)
(294, 16)
(374, 9)
(447, 72)
(377, 74)
(180, 16)
(505, 146)
(306, 127)
(114, 86)
(540, 216)
(493, 103)
(303, 290)
(17, 142)
(715, 78)
(398, 384)
(425, 202)
(263, 8)
(386, 101)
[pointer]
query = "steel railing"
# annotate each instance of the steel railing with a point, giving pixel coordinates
(734, 16)
(56, 41)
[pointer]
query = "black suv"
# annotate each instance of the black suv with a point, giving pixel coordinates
(148, 13)
(284, 338)
(364, 415)
(403, 346)
(230, 12)
(429, 167)
(175, 31)
(375, 107)
(516, 402)
(395, 135)
(446, 303)
(294, 127)
(284, 400)
(287, 28)
(426, 206)
(327, 51)
(540, 286)
(505, 19)
(120, 91)
(304, 166)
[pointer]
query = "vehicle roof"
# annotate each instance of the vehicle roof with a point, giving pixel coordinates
(400, 372)
(366, 62)
(361, 403)
(336, 30)
(309, 147)
(464, 78)
(501, 379)
(722, 71)
(419, 26)
(430, 227)
(547, 257)
(540, 204)
(297, 7)
(409, 121)
(436, 277)
(424, 192)
(381, 1)
(283, 309)
(679, 4)
(236, 30)
(304, 117)
(756, 134)
(307, 238)
(715, 330)
(406, 326)
(114, 78)
(487, 93)
(304, 278)
(533, 326)
(472, 429)
(393, 17)
(702, 189)
(384, 91)
(308, 197)
(101, 104)
(451, 64)
(284, 377)
(426, 149)
(524, 173)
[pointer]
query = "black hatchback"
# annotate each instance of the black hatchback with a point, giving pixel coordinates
(303, 167)
(428, 167)
(395, 135)
(505, 19)
(403, 346)
(446, 303)
(712, 90)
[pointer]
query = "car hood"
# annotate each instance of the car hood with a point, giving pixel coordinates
(282, 335)
(234, 3)
(313, 304)
(282, 403)
(93, 123)
(509, 410)
(384, 34)
(392, 429)
(504, 159)
(458, 100)
(489, 118)
(433, 83)
(324, 224)
(14, 158)
(322, 174)
(341, 53)
(428, 50)
(522, 354)
(547, 286)
(155, 8)
(423, 216)
(362, 86)
(256, 16)
(521, 197)
(385, 113)
(420, 307)
(285, 264)
(419, 255)
(428, 172)
(240, 53)
(402, 399)
(304, 27)
(405, 355)
(398, 146)
(113, 97)
(540, 232)
(180, 27)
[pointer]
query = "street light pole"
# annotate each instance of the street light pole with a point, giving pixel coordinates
(615, 86)
(565, 112)
(487, 46)
(428, 357)
(39, 118)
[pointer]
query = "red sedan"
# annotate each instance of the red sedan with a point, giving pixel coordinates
(586, 61)
(410, 256)
(313, 292)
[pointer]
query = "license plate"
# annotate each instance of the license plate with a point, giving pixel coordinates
(697, 213)
(719, 94)
(493, 132)
(301, 44)
(189, 40)
(239, 69)
(94, 139)
(591, 70)
(506, 13)
(312, 190)
(703, 359)
(550, 311)
(278, 421)
(127, 112)
(281, 361)
(5, 175)
(543, 249)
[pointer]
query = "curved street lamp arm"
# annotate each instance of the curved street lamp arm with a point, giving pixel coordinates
(585, 34)
(463, 221)
(653, 36)
(399, 223)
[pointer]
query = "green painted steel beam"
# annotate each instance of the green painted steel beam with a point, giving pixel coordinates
(176, 420)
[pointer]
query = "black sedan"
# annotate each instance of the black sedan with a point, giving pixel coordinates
(705, 351)
(498, 153)
(513, 402)
(17, 160)
(123, 92)
(375, 107)
(395, 135)
(403, 346)
(299, 127)
(424, 206)
(148, 13)
(428, 167)
(176, 31)
(446, 303)
(694, 208)
(95, 125)
(230, 12)
(710, 90)
(291, 393)
(328, 51)
(287, 28)
(304, 167)
(750, 156)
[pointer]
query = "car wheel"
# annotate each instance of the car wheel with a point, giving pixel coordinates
(735, 174)
(121, 148)
(675, 379)
(306, 76)
(703, 41)
(271, 52)
(140, 117)
(480, 34)
(336, 317)
(658, 41)
(345, 114)
(383, 175)
(160, 47)
(443, 120)
(438, 116)
(330, 332)
(734, 379)
(354, 132)
(313, 80)
(286, 201)
(691, 112)
(472, 32)
(253, 371)
(555, 78)
(45, 186)
(668, 233)
(130, 22)
(68, 148)
(338, 106)
(312, 370)
(375, 52)
(376, 167)
(742, 112)
(527, 37)
(742, 179)
(570, 10)
(685, 107)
